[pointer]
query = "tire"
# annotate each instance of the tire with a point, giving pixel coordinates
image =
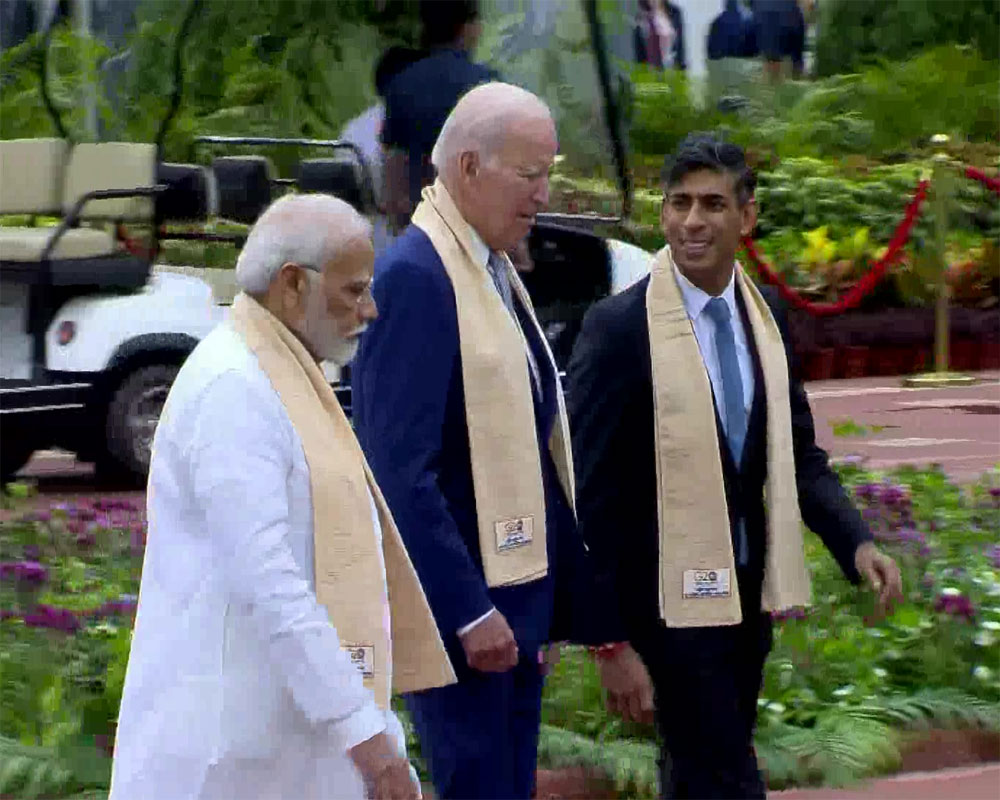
(133, 414)
(14, 454)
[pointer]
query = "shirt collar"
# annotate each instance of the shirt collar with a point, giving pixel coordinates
(480, 250)
(696, 299)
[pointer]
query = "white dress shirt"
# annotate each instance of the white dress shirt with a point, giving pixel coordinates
(695, 300)
(236, 683)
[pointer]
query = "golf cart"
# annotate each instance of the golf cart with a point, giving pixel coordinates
(94, 330)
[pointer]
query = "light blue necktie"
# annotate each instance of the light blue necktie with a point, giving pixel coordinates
(497, 268)
(735, 415)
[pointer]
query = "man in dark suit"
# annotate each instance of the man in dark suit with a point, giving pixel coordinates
(706, 677)
(420, 97)
(451, 306)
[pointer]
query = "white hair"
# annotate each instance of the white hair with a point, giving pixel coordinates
(480, 118)
(303, 229)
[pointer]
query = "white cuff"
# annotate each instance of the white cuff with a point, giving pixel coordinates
(466, 628)
(362, 725)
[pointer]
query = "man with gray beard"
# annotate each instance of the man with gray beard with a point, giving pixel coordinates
(278, 608)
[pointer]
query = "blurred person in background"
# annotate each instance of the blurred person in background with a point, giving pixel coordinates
(732, 33)
(278, 606)
(365, 131)
(659, 35)
(781, 35)
(419, 99)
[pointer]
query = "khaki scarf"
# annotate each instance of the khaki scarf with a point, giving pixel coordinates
(348, 573)
(500, 414)
(697, 569)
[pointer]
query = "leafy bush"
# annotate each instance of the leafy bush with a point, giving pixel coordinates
(852, 32)
(840, 689)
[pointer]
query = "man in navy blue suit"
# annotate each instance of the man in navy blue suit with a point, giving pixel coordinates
(502, 582)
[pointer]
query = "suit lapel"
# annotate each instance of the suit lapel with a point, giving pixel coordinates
(757, 419)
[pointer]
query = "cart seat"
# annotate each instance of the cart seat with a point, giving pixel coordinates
(28, 244)
(45, 177)
(244, 186)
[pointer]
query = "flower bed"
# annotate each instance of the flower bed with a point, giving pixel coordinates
(842, 698)
(69, 578)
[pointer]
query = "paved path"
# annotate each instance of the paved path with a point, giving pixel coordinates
(974, 783)
(957, 427)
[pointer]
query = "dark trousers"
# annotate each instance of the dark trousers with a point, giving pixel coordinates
(706, 682)
(480, 735)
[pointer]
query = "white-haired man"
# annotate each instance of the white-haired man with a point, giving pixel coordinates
(278, 605)
(458, 407)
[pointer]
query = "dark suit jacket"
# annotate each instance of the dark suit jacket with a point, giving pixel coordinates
(409, 412)
(417, 102)
(611, 412)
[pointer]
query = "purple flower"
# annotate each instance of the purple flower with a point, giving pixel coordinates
(893, 495)
(866, 491)
(6, 613)
(76, 526)
(57, 619)
(953, 602)
(32, 552)
(25, 573)
(995, 492)
(870, 514)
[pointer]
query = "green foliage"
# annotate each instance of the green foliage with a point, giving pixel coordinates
(842, 690)
(851, 32)
(887, 110)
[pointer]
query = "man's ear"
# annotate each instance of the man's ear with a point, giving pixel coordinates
(294, 285)
(468, 165)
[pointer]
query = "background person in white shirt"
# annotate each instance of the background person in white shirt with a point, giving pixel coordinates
(237, 683)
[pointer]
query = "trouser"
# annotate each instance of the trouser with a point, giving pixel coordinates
(706, 682)
(480, 736)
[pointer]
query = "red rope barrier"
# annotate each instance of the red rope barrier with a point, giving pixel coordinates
(993, 184)
(863, 287)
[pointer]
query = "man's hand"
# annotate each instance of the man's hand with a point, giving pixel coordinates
(490, 646)
(385, 772)
(628, 686)
(882, 575)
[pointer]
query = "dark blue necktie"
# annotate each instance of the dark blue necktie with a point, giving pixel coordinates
(735, 416)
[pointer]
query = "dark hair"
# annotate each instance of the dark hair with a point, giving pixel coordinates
(442, 20)
(391, 63)
(709, 151)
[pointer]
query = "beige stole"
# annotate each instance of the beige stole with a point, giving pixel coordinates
(348, 573)
(499, 410)
(698, 584)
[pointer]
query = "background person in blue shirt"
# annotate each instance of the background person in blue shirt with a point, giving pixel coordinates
(419, 99)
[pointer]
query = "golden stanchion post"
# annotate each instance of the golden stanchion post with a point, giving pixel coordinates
(941, 187)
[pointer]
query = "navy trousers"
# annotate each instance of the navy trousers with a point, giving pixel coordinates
(480, 736)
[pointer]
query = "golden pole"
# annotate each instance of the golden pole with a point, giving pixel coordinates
(941, 187)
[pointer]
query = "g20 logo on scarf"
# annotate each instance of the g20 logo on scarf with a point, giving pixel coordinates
(514, 533)
(700, 583)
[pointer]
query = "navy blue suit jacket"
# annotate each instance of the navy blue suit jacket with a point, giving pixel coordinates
(409, 413)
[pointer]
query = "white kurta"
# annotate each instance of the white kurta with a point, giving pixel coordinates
(236, 684)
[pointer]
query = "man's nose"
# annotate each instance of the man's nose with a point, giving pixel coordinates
(368, 310)
(694, 218)
(541, 195)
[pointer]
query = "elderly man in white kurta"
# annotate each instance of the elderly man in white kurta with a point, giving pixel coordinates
(278, 606)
